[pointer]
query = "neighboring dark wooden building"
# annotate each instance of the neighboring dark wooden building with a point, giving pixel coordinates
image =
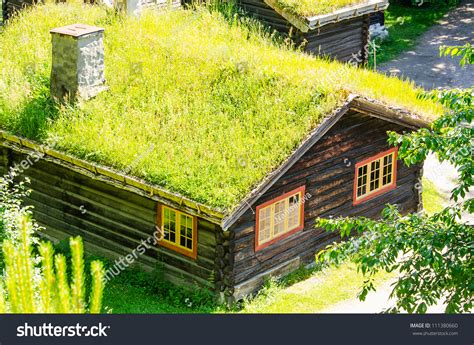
(344, 168)
(377, 18)
(342, 35)
(9, 7)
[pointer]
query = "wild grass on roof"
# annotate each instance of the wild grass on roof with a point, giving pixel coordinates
(196, 104)
(308, 8)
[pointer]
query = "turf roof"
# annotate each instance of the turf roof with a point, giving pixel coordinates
(196, 105)
(308, 8)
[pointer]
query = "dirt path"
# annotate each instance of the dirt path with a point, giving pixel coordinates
(424, 65)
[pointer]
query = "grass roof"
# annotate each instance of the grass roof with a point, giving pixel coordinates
(197, 105)
(308, 8)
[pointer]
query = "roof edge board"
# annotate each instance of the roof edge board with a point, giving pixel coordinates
(297, 21)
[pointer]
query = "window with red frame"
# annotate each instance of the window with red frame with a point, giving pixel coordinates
(375, 175)
(279, 218)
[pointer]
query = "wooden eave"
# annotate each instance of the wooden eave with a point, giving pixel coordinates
(306, 24)
(354, 102)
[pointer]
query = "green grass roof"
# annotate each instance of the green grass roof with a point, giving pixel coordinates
(308, 8)
(196, 105)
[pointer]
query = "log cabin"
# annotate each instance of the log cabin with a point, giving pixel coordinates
(340, 33)
(231, 151)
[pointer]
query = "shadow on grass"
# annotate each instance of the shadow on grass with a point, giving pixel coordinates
(37, 115)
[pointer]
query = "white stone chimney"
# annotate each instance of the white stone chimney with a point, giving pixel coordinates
(78, 62)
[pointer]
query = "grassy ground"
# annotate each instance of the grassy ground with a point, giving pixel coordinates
(136, 292)
(433, 201)
(406, 24)
(315, 294)
(305, 291)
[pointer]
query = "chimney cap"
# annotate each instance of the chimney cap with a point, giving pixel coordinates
(76, 30)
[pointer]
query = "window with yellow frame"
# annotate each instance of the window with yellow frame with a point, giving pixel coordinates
(279, 218)
(179, 231)
(375, 175)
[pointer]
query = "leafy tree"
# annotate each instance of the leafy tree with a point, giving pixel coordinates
(466, 53)
(432, 253)
(39, 283)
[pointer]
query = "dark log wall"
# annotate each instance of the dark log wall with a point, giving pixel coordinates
(267, 15)
(11, 6)
(328, 171)
(3, 161)
(338, 41)
(111, 221)
(377, 18)
(345, 41)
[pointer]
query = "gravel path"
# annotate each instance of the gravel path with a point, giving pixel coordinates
(424, 65)
(426, 68)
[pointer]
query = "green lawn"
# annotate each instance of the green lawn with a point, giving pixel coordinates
(406, 24)
(313, 295)
(305, 291)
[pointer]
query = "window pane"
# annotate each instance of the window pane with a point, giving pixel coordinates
(264, 224)
(169, 224)
(362, 180)
(374, 175)
(387, 170)
(279, 218)
(186, 231)
(294, 212)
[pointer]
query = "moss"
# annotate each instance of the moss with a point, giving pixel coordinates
(196, 104)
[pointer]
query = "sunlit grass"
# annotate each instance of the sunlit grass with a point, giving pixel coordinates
(315, 7)
(406, 24)
(196, 104)
(313, 295)
(433, 200)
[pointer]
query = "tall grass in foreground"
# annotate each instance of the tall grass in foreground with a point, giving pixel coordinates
(44, 287)
(34, 279)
